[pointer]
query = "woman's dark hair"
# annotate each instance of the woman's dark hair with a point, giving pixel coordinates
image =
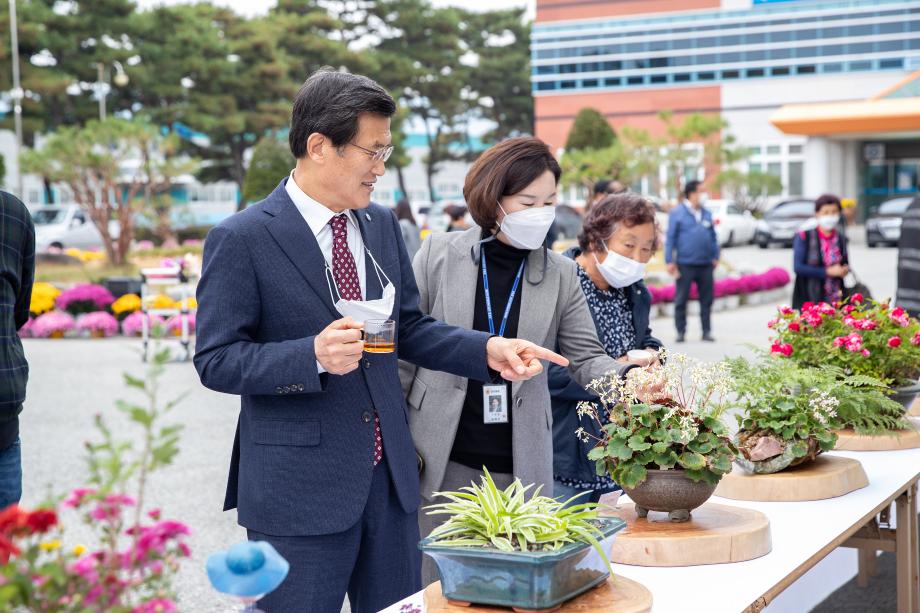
(330, 102)
(455, 212)
(607, 215)
(404, 211)
(691, 187)
(504, 170)
(825, 199)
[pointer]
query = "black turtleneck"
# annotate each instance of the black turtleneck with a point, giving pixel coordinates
(478, 444)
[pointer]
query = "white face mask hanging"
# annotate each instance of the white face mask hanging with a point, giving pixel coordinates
(362, 310)
(620, 271)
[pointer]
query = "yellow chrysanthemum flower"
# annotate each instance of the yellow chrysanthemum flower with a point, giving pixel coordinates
(161, 301)
(128, 303)
(43, 297)
(79, 550)
(50, 545)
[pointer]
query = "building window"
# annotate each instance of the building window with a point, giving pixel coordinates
(773, 149)
(545, 85)
(659, 78)
(833, 67)
(589, 83)
(682, 76)
(779, 71)
(706, 76)
(612, 82)
(888, 64)
(809, 69)
(730, 74)
(795, 149)
(796, 173)
(635, 80)
(567, 85)
(755, 72)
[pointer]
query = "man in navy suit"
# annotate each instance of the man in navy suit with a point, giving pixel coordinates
(323, 465)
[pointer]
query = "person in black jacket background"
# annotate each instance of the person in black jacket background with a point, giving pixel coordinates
(618, 238)
(820, 257)
(17, 271)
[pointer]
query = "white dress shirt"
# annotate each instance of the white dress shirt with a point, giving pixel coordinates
(317, 217)
(697, 213)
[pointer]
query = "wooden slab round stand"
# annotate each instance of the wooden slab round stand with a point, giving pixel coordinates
(825, 477)
(617, 595)
(715, 534)
(848, 440)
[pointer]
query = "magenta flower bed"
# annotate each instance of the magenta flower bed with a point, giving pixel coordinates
(133, 323)
(98, 321)
(85, 298)
(732, 286)
(49, 323)
(174, 324)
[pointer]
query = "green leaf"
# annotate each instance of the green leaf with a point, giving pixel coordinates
(134, 382)
(660, 447)
(632, 475)
(597, 453)
(618, 448)
(692, 460)
(799, 448)
(721, 463)
(704, 447)
(638, 442)
(666, 460)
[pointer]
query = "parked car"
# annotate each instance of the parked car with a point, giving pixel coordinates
(884, 224)
(780, 223)
(65, 226)
(734, 225)
(568, 222)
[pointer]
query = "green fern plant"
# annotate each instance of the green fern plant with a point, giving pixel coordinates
(510, 520)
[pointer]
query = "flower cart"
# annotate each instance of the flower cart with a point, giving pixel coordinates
(166, 293)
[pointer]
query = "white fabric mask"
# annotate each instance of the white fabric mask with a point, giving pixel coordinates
(527, 229)
(620, 271)
(362, 310)
(828, 222)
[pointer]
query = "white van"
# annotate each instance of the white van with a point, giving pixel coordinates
(64, 226)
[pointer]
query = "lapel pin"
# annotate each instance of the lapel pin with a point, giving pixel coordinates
(367, 216)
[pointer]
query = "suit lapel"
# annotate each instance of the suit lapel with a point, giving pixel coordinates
(462, 272)
(373, 241)
(289, 229)
(538, 303)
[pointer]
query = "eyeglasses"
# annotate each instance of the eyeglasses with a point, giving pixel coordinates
(377, 155)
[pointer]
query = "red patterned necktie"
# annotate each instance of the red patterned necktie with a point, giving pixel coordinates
(345, 274)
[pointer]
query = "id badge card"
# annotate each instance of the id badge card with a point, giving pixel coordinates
(495, 404)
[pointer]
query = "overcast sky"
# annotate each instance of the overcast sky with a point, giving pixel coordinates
(249, 7)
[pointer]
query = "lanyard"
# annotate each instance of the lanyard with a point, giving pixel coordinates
(485, 286)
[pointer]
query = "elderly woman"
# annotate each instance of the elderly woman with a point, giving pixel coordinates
(820, 256)
(499, 277)
(618, 237)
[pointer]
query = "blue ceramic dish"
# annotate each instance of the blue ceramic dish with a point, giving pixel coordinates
(524, 580)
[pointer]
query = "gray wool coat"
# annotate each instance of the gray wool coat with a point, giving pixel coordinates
(554, 314)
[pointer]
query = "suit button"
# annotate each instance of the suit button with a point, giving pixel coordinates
(287, 389)
(279, 390)
(519, 402)
(366, 417)
(300, 387)
(367, 363)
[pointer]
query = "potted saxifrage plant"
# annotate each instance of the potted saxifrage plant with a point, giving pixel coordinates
(861, 336)
(669, 454)
(497, 538)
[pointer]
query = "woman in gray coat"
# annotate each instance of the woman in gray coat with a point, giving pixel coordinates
(498, 277)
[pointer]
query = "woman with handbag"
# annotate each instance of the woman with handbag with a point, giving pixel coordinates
(820, 257)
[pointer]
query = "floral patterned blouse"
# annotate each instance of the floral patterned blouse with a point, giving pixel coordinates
(613, 316)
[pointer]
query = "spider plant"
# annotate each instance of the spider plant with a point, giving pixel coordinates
(508, 520)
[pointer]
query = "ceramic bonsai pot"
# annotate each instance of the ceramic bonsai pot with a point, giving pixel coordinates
(532, 581)
(671, 492)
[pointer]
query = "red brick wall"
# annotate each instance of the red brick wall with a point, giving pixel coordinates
(557, 10)
(638, 108)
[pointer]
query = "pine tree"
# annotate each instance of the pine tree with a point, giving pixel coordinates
(590, 130)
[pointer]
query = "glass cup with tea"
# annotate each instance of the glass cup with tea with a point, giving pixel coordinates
(379, 336)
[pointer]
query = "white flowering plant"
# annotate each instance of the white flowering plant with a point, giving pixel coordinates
(787, 415)
(679, 427)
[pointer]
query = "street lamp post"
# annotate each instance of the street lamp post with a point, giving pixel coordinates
(121, 79)
(16, 94)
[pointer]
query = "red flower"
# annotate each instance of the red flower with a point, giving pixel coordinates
(848, 309)
(794, 326)
(894, 341)
(781, 348)
(916, 339)
(40, 521)
(856, 298)
(13, 520)
(7, 549)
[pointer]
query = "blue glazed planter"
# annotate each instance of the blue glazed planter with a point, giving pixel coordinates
(523, 580)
